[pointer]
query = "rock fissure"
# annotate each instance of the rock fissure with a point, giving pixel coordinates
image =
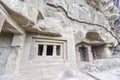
(52, 5)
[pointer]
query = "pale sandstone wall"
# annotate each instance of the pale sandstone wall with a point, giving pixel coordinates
(67, 20)
(5, 49)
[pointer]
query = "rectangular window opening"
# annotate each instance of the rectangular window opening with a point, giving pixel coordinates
(40, 50)
(49, 50)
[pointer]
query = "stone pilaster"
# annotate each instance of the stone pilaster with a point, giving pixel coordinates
(78, 54)
(107, 51)
(18, 41)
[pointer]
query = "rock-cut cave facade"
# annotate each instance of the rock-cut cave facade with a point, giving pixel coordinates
(40, 38)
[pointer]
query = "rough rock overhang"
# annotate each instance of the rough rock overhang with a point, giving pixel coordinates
(15, 28)
(27, 24)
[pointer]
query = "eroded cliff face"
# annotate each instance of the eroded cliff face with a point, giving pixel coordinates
(57, 17)
(89, 21)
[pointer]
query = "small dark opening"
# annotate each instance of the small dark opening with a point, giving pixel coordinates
(97, 51)
(49, 50)
(40, 50)
(58, 50)
(83, 53)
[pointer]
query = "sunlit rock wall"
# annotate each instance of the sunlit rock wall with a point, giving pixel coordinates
(79, 18)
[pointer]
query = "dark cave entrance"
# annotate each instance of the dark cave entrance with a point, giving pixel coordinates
(83, 53)
(98, 51)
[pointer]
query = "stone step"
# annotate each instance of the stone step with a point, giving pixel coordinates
(44, 63)
(44, 68)
(43, 75)
(50, 60)
(35, 68)
(42, 78)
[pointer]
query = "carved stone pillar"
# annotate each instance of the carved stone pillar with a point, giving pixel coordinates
(90, 54)
(44, 50)
(54, 50)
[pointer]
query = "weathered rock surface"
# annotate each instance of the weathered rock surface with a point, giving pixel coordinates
(89, 21)
(71, 75)
(107, 75)
(66, 12)
(117, 48)
(98, 70)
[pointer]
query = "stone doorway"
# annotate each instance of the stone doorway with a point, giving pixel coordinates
(98, 51)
